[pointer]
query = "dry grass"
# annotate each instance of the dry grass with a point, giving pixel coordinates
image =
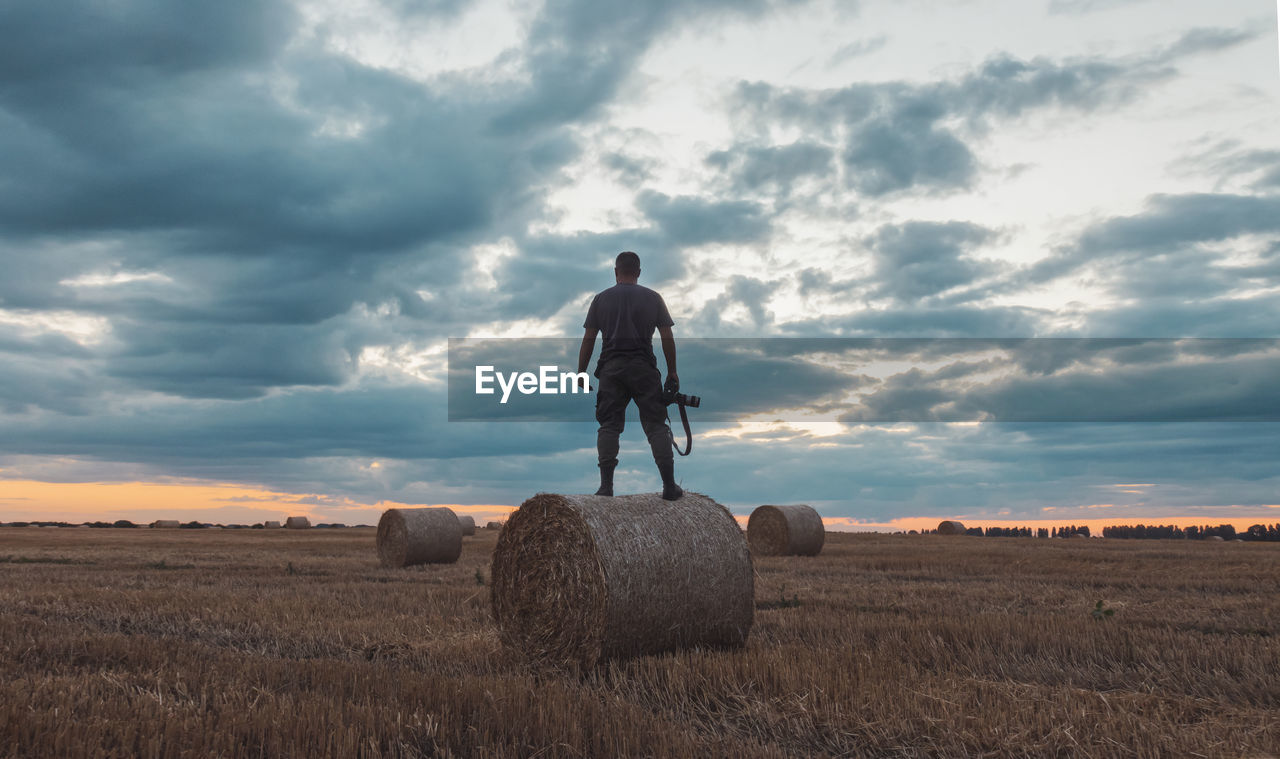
(118, 643)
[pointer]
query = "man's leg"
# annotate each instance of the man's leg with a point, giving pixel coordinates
(611, 408)
(653, 417)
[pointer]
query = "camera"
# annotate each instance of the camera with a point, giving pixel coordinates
(670, 396)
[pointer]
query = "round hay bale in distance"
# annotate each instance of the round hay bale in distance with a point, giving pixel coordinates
(407, 537)
(950, 527)
(579, 579)
(297, 523)
(468, 523)
(785, 531)
(168, 524)
(493, 526)
(271, 524)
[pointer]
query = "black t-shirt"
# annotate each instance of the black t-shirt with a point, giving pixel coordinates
(627, 315)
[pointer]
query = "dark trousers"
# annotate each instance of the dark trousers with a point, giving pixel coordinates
(623, 380)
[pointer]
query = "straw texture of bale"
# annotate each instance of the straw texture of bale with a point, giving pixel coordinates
(785, 531)
(578, 579)
(407, 537)
(271, 525)
(170, 524)
(468, 524)
(493, 526)
(297, 523)
(950, 527)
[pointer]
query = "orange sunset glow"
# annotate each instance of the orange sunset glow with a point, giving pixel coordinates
(230, 503)
(227, 503)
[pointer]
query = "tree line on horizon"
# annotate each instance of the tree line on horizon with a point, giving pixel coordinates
(1255, 533)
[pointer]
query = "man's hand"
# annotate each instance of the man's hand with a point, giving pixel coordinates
(672, 385)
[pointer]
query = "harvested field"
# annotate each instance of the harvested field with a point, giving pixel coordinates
(267, 643)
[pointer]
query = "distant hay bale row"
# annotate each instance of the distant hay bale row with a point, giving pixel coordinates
(297, 523)
(419, 536)
(785, 531)
(468, 524)
(584, 578)
(168, 524)
(950, 527)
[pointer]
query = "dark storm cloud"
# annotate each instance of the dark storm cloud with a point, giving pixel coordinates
(580, 51)
(1171, 317)
(919, 259)
(29, 382)
(772, 167)
(1169, 225)
(689, 220)
(376, 420)
(577, 265)
(919, 321)
(895, 137)
(632, 170)
(1097, 390)
(281, 186)
(84, 44)
(749, 293)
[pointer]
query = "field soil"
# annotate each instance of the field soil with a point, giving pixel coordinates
(196, 643)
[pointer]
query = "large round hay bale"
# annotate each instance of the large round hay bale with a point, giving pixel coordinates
(785, 531)
(950, 527)
(419, 536)
(584, 578)
(297, 523)
(271, 524)
(168, 524)
(468, 524)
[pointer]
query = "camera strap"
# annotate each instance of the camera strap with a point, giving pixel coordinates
(688, 434)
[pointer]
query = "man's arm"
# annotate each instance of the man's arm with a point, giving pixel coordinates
(588, 347)
(669, 352)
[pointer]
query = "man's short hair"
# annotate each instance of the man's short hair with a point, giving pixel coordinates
(627, 262)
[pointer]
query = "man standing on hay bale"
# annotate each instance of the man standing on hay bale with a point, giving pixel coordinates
(627, 314)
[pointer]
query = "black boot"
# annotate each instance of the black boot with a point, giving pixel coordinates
(606, 478)
(670, 490)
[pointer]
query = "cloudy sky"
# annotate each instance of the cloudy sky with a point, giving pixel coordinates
(237, 236)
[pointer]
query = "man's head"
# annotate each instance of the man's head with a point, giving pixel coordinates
(626, 267)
